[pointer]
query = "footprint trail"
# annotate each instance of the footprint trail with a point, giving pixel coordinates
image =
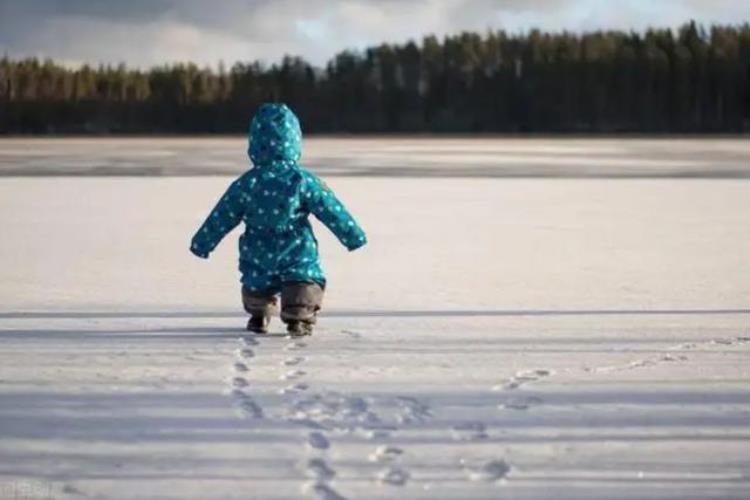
(246, 406)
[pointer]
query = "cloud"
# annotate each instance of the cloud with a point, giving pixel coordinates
(148, 32)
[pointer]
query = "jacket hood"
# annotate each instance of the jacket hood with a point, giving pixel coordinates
(275, 136)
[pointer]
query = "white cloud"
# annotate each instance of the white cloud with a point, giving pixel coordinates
(148, 32)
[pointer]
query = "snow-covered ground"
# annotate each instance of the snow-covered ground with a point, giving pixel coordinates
(393, 157)
(498, 338)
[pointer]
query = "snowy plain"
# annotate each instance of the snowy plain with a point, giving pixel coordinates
(531, 319)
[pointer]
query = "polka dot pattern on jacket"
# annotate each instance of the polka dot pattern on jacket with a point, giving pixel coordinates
(274, 199)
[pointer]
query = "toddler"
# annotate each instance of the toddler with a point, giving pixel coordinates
(278, 250)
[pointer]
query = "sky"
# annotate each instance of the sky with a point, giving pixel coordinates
(144, 33)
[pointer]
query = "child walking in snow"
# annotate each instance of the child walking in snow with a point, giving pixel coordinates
(278, 250)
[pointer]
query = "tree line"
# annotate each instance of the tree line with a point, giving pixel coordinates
(691, 80)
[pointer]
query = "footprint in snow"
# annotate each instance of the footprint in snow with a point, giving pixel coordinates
(239, 382)
(292, 374)
(293, 361)
(317, 468)
(725, 341)
(385, 453)
(238, 394)
(469, 431)
(687, 346)
(376, 434)
(393, 476)
(295, 346)
(639, 363)
(732, 341)
(352, 334)
(670, 358)
(523, 377)
(322, 491)
(69, 489)
(412, 410)
(245, 403)
(722, 341)
(318, 441)
(246, 353)
(303, 421)
(494, 470)
(294, 388)
(250, 409)
(248, 340)
(520, 403)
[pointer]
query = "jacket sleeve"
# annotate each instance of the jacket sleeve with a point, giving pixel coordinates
(324, 204)
(225, 216)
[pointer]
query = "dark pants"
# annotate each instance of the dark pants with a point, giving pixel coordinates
(300, 301)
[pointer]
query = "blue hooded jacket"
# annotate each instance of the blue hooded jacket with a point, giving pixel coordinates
(274, 200)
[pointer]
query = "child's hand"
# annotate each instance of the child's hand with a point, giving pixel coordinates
(198, 253)
(358, 243)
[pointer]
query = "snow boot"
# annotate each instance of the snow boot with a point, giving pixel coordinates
(297, 328)
(260, 306)
(300, 303)
(258, 324)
